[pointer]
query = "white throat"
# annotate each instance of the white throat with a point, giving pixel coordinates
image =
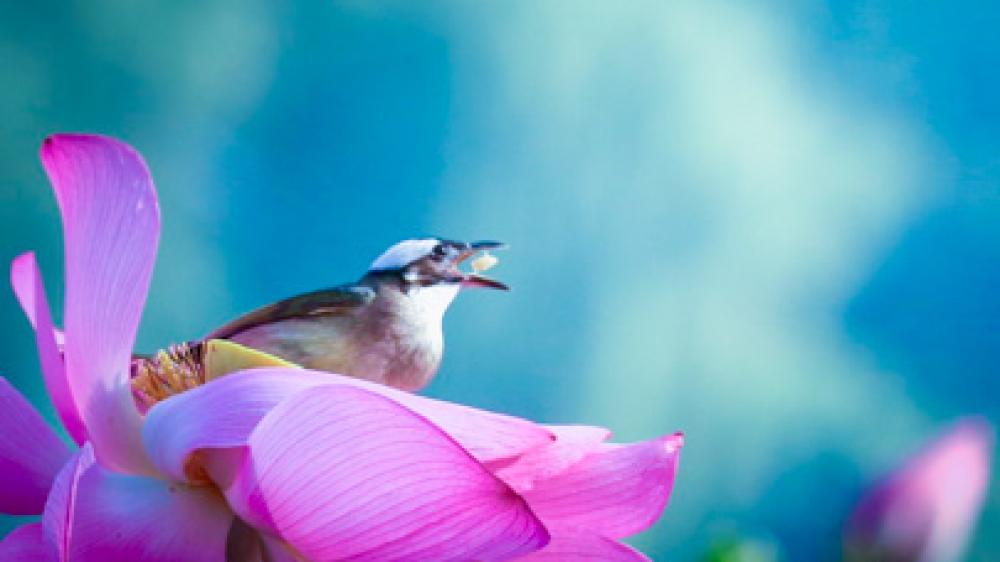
(429, 303)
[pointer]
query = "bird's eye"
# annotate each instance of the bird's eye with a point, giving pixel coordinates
(439, 251)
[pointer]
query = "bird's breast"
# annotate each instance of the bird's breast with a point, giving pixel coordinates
(406, 348)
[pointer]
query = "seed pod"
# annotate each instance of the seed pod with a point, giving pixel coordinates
(484, 262)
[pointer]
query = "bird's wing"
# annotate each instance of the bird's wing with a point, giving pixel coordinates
(337, 300)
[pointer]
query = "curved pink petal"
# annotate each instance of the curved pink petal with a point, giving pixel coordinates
(617, 491)
(580, 545)
(487, 436)
(223, 412)
(341, 473)
(57, 520)
(30, 454)
(26, 544)
(219, 414)
(30, 290)
(111, 226)
(94, 515)
(573, 443)
(22, 279)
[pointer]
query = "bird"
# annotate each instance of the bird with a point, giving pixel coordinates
(386, 327)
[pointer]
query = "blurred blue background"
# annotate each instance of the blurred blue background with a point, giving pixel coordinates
(773, 225)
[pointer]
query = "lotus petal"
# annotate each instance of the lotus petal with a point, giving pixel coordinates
(95, 515)
(30, 290)
(26, 544)
(580, 545)
(573, 443)
(341, 473)
(223, 412)
(616, 492)
(111, 227)
(30, 454)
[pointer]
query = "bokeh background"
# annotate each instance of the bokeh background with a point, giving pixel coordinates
(774, 225)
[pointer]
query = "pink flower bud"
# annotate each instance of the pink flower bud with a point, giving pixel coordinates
(926, 510)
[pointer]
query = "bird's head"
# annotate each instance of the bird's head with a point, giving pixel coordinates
(434, 262)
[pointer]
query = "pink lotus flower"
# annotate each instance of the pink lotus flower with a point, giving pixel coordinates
(275, 463)
(926, 510)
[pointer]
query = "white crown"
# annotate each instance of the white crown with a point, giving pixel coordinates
(403, 254)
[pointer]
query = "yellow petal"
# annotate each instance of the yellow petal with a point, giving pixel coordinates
(222, 357)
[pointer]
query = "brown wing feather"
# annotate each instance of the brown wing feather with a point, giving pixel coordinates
(324, 302)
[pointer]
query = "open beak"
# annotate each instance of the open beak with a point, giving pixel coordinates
(475, 279)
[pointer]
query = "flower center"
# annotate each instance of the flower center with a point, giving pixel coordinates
(168, 372)
(188, 365)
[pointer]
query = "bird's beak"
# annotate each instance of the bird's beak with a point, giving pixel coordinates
(475, 279)
(485, 245)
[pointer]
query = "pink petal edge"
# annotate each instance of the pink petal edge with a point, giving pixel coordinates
(111, 228)
(29, 288)
(580, 545)
(616, 492)
(57, 519)
(572, 444)
(223, 412)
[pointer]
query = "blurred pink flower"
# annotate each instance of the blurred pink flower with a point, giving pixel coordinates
(295, 464)
(927, 509)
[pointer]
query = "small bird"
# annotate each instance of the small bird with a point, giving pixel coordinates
(386, 327)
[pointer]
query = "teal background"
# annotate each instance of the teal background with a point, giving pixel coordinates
(773, 225)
